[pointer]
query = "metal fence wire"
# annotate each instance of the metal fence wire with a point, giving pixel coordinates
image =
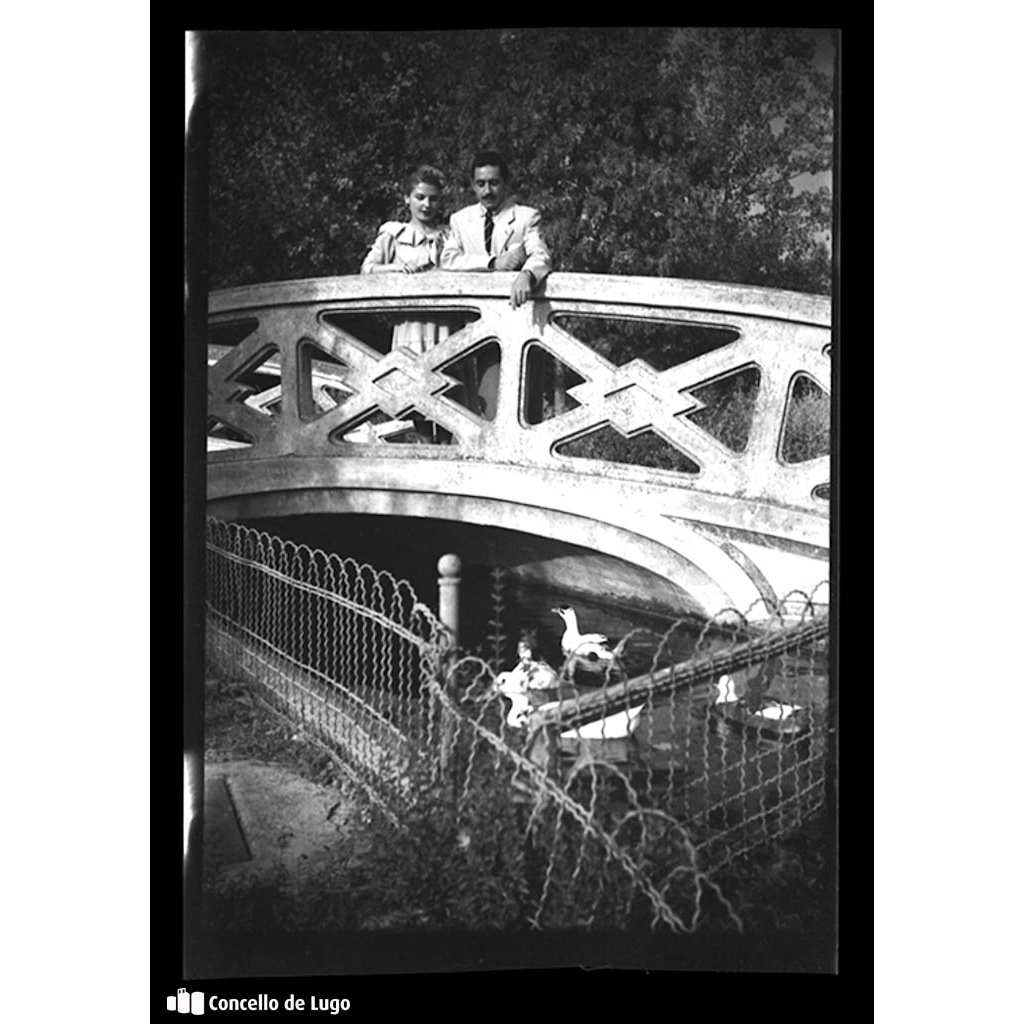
(585, 797)
(341, 648)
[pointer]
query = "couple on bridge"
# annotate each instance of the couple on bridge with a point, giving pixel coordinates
(494, 234)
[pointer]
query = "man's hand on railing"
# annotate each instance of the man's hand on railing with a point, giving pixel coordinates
(522, 286)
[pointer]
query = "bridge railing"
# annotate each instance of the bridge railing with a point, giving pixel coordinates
(720, 388)
(607, 800)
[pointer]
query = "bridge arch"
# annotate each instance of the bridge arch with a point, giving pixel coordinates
(292, 384)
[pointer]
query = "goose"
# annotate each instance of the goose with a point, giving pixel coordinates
(587, 650)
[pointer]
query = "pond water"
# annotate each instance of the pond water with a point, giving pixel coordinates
(684, 755)
(683, 751)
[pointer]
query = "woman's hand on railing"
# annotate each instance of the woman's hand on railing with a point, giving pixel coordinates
(399, 267)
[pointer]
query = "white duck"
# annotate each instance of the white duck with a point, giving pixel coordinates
(530, 673)
(771, 707)
(617, 726)
(588, 651)
(536, 673)
(726, 691)
(513, 690)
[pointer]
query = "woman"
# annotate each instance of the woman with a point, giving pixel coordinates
(411, 247)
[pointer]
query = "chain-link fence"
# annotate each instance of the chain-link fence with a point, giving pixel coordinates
(608, 791)
(341, 648)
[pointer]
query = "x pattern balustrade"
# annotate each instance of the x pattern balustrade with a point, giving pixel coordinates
(310, 371)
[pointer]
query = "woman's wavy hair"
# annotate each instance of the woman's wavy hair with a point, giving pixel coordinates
(428, 175)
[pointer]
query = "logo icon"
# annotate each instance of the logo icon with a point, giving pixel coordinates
(183, 1003)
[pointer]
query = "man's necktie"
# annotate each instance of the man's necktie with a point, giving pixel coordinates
(488, 230)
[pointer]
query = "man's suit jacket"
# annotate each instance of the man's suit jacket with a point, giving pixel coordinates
(513, 224)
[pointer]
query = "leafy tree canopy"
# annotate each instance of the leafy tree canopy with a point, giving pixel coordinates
(654, 151)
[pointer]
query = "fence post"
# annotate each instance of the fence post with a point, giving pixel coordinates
(449, 567)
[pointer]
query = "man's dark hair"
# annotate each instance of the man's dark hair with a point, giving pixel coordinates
(489, 158)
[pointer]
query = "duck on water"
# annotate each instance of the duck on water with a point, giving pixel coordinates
(587, 651)
(533, 673)
(767, 717)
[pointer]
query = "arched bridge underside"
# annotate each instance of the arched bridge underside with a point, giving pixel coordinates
(678, 427)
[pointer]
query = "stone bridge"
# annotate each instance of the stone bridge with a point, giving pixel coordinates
(640, 437)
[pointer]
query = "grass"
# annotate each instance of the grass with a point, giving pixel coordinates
(463, 865)
(785, 888)
(240, 727)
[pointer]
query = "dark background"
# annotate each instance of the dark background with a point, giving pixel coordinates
(685, 152)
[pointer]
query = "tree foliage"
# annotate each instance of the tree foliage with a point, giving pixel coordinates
(655, 151)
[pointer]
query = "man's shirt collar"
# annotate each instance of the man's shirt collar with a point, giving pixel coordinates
(507, 205)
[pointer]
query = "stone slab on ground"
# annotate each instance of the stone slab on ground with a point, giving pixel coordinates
(285, 822)
(222, 832)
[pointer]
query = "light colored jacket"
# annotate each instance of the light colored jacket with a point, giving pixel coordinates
(397, 240)
(513, 224)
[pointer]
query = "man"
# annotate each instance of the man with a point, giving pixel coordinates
(496, 233)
